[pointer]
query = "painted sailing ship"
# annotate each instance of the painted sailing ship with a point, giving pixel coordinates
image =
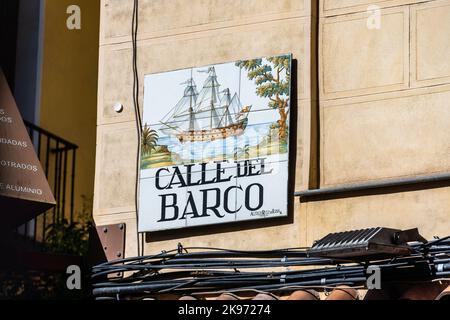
(208, 115)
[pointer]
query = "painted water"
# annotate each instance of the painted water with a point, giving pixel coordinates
(258, 140)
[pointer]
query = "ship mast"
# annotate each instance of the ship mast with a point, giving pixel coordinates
(226, 118)
(183, 112)
(191, 108)
(215, 109)
(198, 116)
(214, 98)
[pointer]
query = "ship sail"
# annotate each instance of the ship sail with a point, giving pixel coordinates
(226, 106)
(208, 102)
(236, 107)
(182, 117)
(207, 115)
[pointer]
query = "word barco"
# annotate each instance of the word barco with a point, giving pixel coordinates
(196, 191)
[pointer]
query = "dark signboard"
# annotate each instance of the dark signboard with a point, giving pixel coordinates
(24, 190)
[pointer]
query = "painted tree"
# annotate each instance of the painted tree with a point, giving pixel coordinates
(272, 78)
(245, 151)
(149, 140)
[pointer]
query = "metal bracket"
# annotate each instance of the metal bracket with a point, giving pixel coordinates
(403, 237)
(112, 238)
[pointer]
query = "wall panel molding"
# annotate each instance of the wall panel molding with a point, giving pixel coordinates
(330, 8)
(386, 136)
(430, 43)
(163, 18)
(355, 60)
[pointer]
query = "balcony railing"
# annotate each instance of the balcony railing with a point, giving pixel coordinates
(58, 159)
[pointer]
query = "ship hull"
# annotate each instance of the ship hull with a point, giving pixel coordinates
(234, 130)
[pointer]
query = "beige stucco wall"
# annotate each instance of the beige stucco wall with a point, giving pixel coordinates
(383, 106)
(384, 113)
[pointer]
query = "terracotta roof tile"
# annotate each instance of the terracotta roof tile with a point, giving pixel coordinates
(188, 298)
(305, 295)
(425, 291)
(343, 293)
(228, 297)
(265, 296)
(444, 295)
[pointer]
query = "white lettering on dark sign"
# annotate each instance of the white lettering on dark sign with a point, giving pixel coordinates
(16, 165)
(13, 142)
(20, 189)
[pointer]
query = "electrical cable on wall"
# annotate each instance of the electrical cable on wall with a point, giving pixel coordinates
(134, 33)
(212, 271)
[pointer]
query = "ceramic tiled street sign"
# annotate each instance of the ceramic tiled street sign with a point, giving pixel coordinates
(215, 144)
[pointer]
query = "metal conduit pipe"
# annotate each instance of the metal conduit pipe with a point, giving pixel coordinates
(443, 177)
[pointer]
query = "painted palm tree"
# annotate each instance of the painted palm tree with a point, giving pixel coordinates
(149, 140)
(245, 151)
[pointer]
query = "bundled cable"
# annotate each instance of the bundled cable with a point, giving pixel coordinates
(199, 271)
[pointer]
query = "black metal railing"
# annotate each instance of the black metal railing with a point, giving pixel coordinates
(58, 160)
